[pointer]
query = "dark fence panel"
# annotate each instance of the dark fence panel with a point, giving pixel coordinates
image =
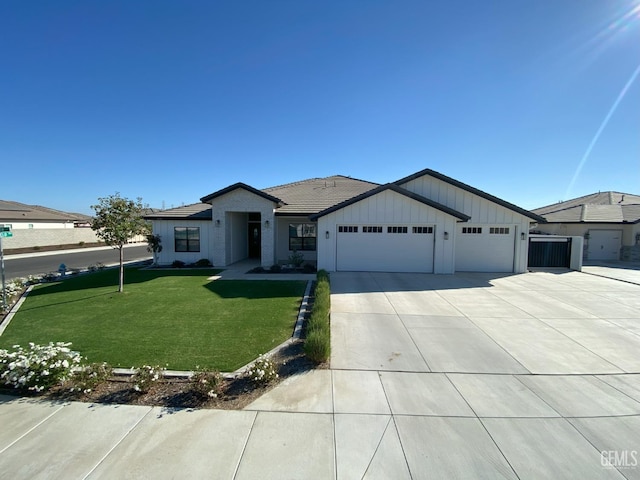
(547, 253)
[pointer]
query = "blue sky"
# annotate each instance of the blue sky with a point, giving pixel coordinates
(173, 100)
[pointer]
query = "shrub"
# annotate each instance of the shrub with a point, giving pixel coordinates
(100, 265)
(203, 262)
(49, 277)
(145, 376)
(308, 268)
(275, 268)
(206, 384)
(38, 367)
(88, 377)
(81, 243)
(178, 264)
(317, 347)
(263, 370)
(36, 248)
(317, 344)
(296, 258)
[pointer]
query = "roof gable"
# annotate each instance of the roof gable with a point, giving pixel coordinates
(243, 186)
(470, 189)
(393, 187)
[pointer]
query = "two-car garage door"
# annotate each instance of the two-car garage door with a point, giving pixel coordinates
(385, 248)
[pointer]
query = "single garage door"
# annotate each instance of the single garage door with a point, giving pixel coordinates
(604, 244)
(385, 248)
(485, 248)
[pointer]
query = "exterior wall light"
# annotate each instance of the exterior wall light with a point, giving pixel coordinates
(326, 234)
(522, 236)
(446, 235)
(217, 223)
(266, 224)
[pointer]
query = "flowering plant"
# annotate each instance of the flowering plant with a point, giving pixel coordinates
(37, 367)
(206, 384)
(263, 370)
(145, 376)
(88, 377)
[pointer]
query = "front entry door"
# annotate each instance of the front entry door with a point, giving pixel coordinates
(255, 240)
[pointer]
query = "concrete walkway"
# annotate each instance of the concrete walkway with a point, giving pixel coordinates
(465, 376)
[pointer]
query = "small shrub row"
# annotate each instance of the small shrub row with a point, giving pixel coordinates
(203, 262)
(317, 345)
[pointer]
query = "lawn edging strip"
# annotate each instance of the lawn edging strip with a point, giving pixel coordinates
(14, 309)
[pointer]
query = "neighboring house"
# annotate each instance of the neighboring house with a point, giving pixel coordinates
(426, 222)
(608, 221)
(36, 226)
(20, 216)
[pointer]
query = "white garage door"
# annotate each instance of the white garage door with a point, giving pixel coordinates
(485, 248)
(604, 244)
(385, 248)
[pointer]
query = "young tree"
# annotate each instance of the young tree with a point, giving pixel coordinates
(117, 220)
(154, 245)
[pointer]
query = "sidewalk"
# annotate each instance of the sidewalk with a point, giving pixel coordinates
(64, 252)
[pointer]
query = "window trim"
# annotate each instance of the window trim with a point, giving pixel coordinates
(499, 231)
(397, 229)
(472, 230)
(347, 228)
(423, 229)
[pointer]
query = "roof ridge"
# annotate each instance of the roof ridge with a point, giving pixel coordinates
(299, 182)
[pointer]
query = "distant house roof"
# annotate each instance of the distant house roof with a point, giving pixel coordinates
(317, 194)
(393, 187)
(195, 211)
(601, 207)
(20, 212)
(510, 206)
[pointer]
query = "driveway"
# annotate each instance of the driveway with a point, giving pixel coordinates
(463, 376)
(478, 376)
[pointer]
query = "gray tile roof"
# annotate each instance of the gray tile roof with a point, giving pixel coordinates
(317, 194)
(195, 211)
(601, 207)
(19, 212)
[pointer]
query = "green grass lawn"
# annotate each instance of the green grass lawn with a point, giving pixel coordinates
(169, 317)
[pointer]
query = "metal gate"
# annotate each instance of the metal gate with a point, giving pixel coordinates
(549, 252)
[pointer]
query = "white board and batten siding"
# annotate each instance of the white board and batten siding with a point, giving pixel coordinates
(485, 252)
(165, 228)
(386, 251)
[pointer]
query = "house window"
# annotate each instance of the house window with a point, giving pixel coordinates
(422, 229)
(187, 239)
(472, 230)
(499, 230)
(397, 229)
(348, 229)
(368, 229)
(302, 236)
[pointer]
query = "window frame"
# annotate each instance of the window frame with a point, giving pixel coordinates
(308, 240)
(472, 230)
(189, 240)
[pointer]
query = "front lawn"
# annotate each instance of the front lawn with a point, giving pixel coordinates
(171, 318)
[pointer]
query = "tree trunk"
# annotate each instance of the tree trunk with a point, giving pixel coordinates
(121, 286)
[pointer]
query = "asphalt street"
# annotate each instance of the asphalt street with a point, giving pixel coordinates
(40, 263)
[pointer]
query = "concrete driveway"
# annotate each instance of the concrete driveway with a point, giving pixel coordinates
(478, 376)
(464, 376)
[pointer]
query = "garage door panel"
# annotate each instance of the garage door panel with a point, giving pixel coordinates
(384, 251)
(483, 251)
(604, 244)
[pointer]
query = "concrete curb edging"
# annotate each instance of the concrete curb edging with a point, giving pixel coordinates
(14, 309)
